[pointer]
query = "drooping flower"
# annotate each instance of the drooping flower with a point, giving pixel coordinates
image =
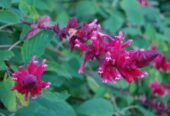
(143, 58)
(42, 23)
(28, 79)
(161, 63)
(157, 88)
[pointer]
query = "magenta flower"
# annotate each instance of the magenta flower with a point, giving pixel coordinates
(120, 63)
(115, 61)
(161, 63)
(28, 80)
(157, 88)
(63, 33)
(42, 23)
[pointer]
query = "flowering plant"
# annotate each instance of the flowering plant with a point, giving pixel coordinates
(86, 63)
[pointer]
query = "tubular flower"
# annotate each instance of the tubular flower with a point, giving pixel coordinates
(115, 61)
(158, 89)
(43, 22)
(28, 80)
(161, 63)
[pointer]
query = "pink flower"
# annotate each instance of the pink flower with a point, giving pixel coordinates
(64, 32)
(143, 2)
(28, 80)
(121, 63)
(143, 58)
(115, 62)
(161, 63)
(157, 88)
(43, 22)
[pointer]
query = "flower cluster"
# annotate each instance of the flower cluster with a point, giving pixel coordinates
(115, 61)
(157, 88)
(28, 79)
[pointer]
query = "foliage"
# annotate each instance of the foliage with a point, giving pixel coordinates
(72, 94)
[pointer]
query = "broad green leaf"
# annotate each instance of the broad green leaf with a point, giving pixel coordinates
(5, 38)
(36, 45)
(92, 84)
(9, 17)
(114, 22)
(54, 78)
(131, 31)
(5, 3)
(24, 7)
(85, 8)
(49, 104)
(21, 99)
(150, 32)
(25, 29)
(7, 96)
(6, 55)
(96, 107)
(57, 67)
(132, 87)
(62, 18)
(134, 11)
(28, 10)
(121, 84)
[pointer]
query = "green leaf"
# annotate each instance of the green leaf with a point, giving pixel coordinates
(114, 22)
(131, 31)
(47, 103)
(62, 18)
(53, 78)
(85, 8)
(6, 55)
(5, 3)
(96, 107)
(134, 11)
(36, 45)
(92, 84)
(9, 17)
(7, 96)
(21, 99)
(28, 10)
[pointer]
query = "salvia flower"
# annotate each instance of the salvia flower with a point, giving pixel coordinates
(161, 63)
(28, 79)
(42, 23)
(64, 32)
(115, 61)
(157, 88)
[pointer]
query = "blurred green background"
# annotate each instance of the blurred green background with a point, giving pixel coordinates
(72, 94)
